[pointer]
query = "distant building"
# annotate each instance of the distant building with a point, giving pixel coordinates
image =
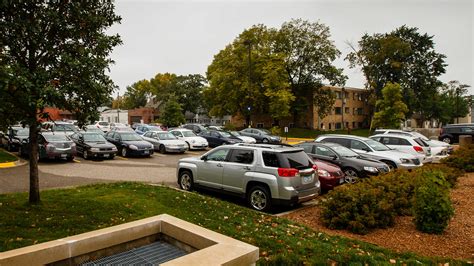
(56, 114)
(114, 116)
(143, 115)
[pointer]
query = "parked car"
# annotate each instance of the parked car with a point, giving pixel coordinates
(450, 133)
(51, 145)
(245, 139)
(129, 129)
(93, 145)
(129, 143)
(193, 141)
(260, 135)
(408, 144)
(141, 129)
(93, 128)
(375, 150)
(438, 148)
(112, 125)
(60, 127)
(265, 175)
(330, 175)
(352, 164)
(216, 138)
(220, 128)
(196, 128)
(164, 141)
(103, 125)
(13, 138)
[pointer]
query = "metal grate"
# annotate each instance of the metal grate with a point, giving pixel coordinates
(152, 254)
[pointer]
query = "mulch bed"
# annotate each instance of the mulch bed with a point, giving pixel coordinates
(456, 242)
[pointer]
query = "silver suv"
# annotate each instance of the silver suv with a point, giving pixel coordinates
(264, 174)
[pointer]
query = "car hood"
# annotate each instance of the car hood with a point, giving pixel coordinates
(196, 139)
(138, 143)
(99, 144)
(392, 154)
(172, 142)
(245, 138)
(365, 161)
(327, 166)
(437, 143)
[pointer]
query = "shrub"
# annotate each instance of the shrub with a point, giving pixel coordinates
(462, 158)
(229, 127)
(432, 205)
(276, 130)
(450, 174)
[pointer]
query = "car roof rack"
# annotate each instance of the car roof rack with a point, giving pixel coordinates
(265, 145)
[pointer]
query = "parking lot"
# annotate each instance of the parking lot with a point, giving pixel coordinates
(158, 169)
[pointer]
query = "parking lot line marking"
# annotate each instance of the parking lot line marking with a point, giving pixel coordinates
(76, 161)
(121, 158)
(195, 153)
(7, 165)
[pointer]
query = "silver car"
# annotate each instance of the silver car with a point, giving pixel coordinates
(164, 141)
(375, 150)
(263, 174)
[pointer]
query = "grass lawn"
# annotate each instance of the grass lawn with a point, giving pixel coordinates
(6, 157)
(282, 242)
(311, 133)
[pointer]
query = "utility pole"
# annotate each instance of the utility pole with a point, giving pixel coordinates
(118, 107)
(249, 108)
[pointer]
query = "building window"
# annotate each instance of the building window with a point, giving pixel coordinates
(291, 125)
(338, 94)
(347, 110)
(322, 126)
(360, 111)
(329, 126)
(353, 124)
(338, 125)
(354, 96)
(359, 97)
(338, 110)
(259, 125)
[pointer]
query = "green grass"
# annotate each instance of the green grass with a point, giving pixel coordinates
(282, 242)
(311, 133)
(6, 157)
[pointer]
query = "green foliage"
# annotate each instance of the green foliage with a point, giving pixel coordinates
(462, 158)
(6, 157)
(136, 95)
(432, 205)
(375, 202)
(451, 173)
(451, 102)
(173, 114)
(230, 127)
(67, 212)
(276, 130)
(391, 109)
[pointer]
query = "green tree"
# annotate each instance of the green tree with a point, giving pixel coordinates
(136, 95)
(53, 53)
(391, 109)
(406, 57)
(451, 102)
(173, 113)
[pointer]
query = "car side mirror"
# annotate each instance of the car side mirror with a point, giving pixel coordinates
(334, 157)
(24, 141)
(204, 158)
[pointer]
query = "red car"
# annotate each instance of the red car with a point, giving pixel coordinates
(330, 175)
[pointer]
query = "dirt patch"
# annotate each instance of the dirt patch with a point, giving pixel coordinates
(456, 242)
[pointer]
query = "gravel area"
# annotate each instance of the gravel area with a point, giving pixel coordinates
(456, 242)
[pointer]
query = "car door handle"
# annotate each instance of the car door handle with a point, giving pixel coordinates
(219, 165)
(246, 168)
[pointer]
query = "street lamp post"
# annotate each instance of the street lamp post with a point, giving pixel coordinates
(343, 99)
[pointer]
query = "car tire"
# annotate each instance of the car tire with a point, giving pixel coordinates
(351, 175)
(162, 149)
(259, 198)
(85, 155)
(124, 152)
(265, 141)
(447, 140)
(391, 165)
(185, 180)
(70, 158)
(189, 146)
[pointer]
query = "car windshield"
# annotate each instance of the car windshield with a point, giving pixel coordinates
(344, 152)
(93, 137)
(166, 136)
(419, 135)
(23, 132)
(265, 131)
(55, 137)
(189, 134)
(104, 123)
(153, 128)
(130, 137)
(377, 146)
(65, 127)
(225, 134)
(235, 133)
(123, 129)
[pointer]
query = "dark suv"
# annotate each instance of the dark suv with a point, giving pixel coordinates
(450, 133)
(196, 128)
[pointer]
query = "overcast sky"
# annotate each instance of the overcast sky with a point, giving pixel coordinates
(182, 37)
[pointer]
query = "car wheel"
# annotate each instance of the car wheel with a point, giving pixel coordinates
(259, 198)
(189, 146)
(186, 180)
(124, 152)
(85, 155)
(447, 140)
(391, 165)
(351, 176)
(70, 158)
(265, 141)
(162, 149)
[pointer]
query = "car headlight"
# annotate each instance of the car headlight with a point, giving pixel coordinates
(15, 141)
(73, 144)
(403, 160)
(114, 148)
(95, 149)
(323, 173)
(133, 147)
(371, 169)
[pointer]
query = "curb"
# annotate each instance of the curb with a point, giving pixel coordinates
(16, 163)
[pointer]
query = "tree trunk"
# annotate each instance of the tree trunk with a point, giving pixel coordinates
(34, 180)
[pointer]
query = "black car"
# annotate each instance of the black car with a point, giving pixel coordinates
(14, 136)
(216, 138)
(129, 143)
(260, 135)
(450, 133)
(353, 164)
(51, 145)
(196, 128)
(93, 145)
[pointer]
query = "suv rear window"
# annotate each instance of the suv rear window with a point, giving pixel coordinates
(270, 159)
(297, 159)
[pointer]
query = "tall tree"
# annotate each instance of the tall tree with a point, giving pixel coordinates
(309, 55)
(172, 113)
(53, 53)
(391, 109)
(403, 56)
(451, 102)
(136, 95)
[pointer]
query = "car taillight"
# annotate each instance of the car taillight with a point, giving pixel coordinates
(288, 172)
(418, 149)
(315, 168)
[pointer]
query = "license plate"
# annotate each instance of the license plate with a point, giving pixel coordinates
(146, 152)
(307, 179)
(106, 155)
(63, 155)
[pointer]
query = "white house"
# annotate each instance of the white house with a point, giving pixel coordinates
(114, 116)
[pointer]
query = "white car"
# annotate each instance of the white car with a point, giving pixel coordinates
(408, 144)
(245, 139)
(193, 141)
(164, 141)
(103, 125)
